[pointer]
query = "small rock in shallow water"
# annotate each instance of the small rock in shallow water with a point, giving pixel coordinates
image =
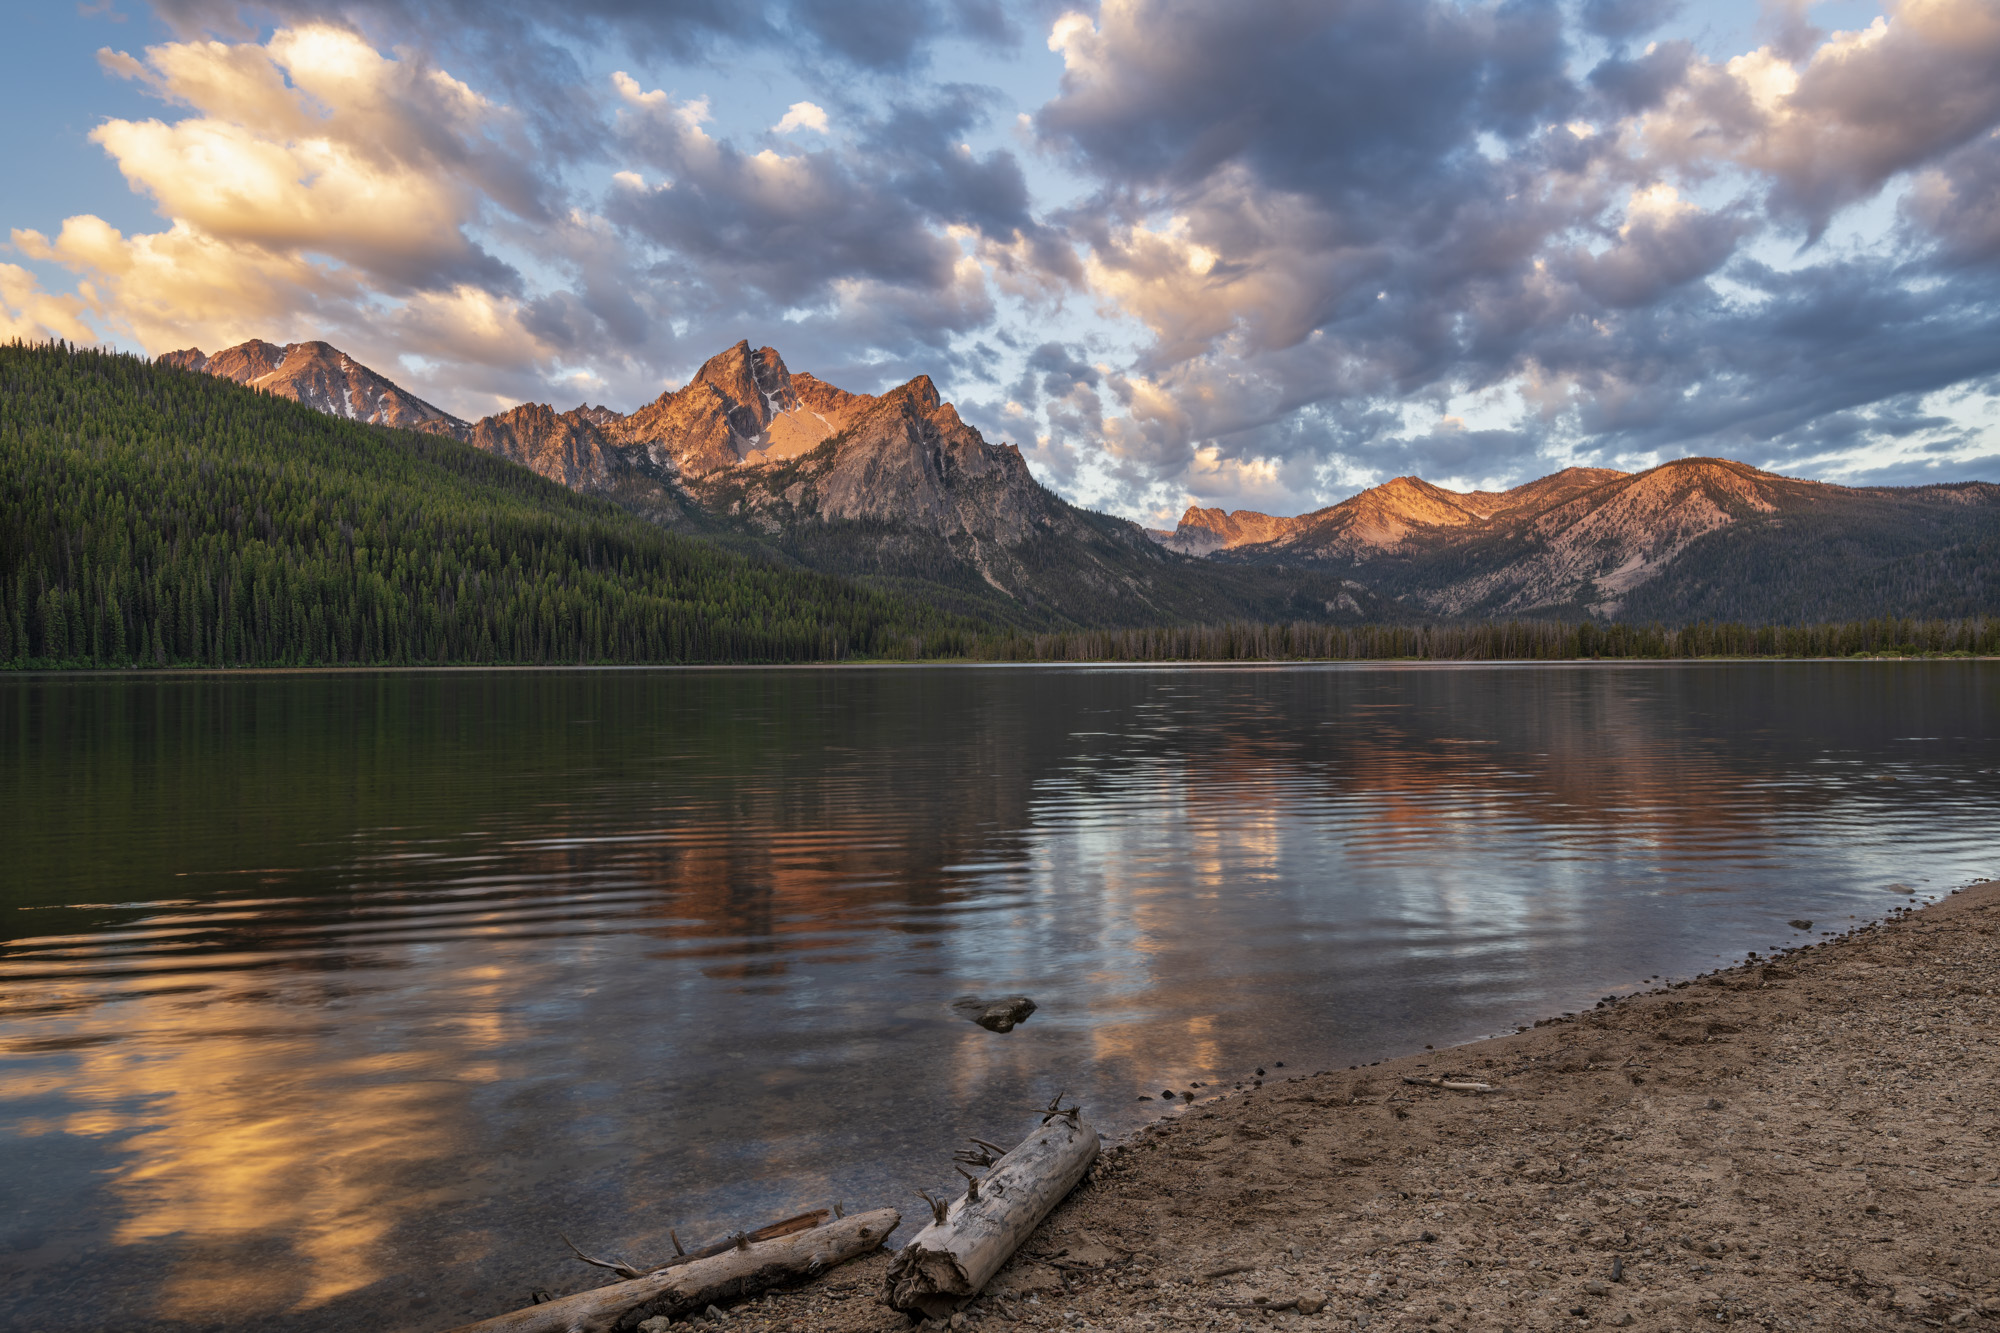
(995, 1015)
(1799, 924)
(1901, 888)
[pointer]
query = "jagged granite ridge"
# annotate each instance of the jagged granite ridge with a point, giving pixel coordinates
(323, 378)
(898, 489)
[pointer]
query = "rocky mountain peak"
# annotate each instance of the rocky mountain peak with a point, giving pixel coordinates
(755, 383)
(1204, 530)
(740, 406)
(323, 377)
(920, 391)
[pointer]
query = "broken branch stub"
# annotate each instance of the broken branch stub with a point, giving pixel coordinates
(802, 1222)
(699, 1283)
(951, 1260)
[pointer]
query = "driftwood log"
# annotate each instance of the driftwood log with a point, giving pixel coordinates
(787, 1227)
(743, 1269)
(951, 1260)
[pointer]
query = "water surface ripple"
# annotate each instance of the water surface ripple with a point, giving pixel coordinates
(333, 998)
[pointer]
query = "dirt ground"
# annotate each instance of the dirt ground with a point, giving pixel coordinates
(1809, 1143)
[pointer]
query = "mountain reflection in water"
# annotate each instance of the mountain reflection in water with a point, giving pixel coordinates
(334, 998)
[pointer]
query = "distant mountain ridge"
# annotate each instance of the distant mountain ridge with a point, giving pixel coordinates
(1692, 537)
(898, 489)
(1377, 519)
(895, 488)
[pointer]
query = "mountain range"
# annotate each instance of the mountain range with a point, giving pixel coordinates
(895, 489)
(899, 490)
(1693, 539)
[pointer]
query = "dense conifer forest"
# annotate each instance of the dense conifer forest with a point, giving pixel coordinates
(156, 517)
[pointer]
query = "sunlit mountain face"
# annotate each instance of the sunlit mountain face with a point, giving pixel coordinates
(1698, 538)
(1252, 258)
(900, 486)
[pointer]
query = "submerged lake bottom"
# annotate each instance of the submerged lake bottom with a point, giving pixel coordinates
(338, 999)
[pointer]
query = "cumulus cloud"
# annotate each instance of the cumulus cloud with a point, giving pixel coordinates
(315, 186)
(1831, 129)
(875, 35)
(1320, 212)
(1663, 243)
(33, 315)
(888, 237)
(1304, 240)
(801, 116)
(1957, 202)
(312, 176)
(316, 143)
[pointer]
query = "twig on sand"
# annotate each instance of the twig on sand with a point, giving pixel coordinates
(1451, 1084)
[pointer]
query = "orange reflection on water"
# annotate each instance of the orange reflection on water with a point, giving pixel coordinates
(635, 978)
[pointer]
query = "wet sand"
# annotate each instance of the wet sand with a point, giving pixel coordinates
(1808, 1143)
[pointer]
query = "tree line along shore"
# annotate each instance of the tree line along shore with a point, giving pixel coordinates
(160, 520)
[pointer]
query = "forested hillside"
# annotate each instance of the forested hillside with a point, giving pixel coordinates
(151, 515)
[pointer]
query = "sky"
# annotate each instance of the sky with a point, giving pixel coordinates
(1257, 255)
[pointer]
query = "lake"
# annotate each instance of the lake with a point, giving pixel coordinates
(331, 999)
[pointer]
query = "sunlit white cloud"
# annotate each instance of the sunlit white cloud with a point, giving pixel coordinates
(801, 116)
(318, 188)
(31, 314)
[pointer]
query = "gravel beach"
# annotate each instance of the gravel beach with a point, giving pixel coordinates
(1804, 1143)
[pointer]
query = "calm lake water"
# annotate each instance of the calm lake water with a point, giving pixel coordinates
(329, 1000)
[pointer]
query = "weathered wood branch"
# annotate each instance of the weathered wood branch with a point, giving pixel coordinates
(953, 1258)
(1451, 1084)
(802, 1222)
(742, 1268)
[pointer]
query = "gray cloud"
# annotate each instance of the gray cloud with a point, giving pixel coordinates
(852, 236)
(1653, 255)
(1061, 370)
(1958, 204)
(1619, 19)
(1332, 218)
(1854, 122)
(1337, 99)
(1319, 208)
(880, 35)
(1642, 83)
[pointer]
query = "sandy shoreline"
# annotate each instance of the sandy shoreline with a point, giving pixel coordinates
(1805, 1144)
